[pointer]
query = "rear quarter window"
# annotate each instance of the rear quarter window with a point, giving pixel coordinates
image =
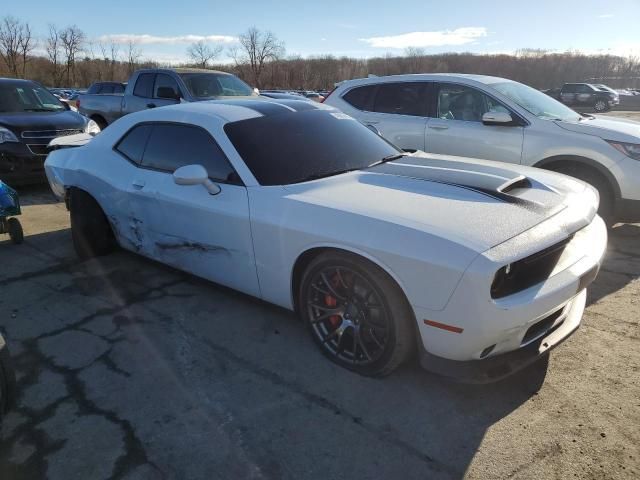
(360, 97)
(144, 85)
(133, 143)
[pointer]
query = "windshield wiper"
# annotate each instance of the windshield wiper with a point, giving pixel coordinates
(389, 158)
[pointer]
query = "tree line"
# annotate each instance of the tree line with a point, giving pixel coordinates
(67, 57)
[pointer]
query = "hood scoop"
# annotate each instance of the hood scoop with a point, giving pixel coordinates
(493, 182)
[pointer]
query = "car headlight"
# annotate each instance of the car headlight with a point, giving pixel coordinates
(631, 150)
(92, 128)
(7, 135)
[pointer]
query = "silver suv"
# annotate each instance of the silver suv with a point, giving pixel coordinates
(498, 119)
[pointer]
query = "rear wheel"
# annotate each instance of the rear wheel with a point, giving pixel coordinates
(600, 105)
(7, 379)
(15, 230)
(90, 229)
(356, 314)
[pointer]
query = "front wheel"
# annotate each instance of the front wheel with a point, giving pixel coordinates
(356, 314)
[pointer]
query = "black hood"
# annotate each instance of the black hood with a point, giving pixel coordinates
(35, 121)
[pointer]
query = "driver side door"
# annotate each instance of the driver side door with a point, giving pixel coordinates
(457, 128)
(186, 226)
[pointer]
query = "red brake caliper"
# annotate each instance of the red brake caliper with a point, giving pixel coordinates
(332, 302)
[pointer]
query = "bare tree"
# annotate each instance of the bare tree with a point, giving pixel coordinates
(27, 44)
(133, 56)
(72, 39)
(201, 53)
(53, 46)
(10, 39)
(256, 48)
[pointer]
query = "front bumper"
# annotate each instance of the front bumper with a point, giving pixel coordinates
(496, 368)
(19, 165)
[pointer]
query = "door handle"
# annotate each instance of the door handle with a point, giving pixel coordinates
(151, 105)
(438, 126)
(139, 184)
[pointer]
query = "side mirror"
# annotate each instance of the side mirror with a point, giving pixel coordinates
(195, 175)
(497, 118)
(167, 93)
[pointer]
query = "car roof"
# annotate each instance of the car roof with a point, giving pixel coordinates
(466, 77)
(231, 110)
(182, 70)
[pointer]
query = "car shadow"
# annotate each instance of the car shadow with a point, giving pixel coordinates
(621, 263)
(38, 194)
(172, 349)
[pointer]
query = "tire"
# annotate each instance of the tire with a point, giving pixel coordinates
(15, 231)
(600, 105)
(590, 176)
(100, 121)
(90, 229)
(361, 292)
(7, 379)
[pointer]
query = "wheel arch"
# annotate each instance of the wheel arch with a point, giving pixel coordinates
(306, 257)
(586, 164)
(99, 119)
(67, 200)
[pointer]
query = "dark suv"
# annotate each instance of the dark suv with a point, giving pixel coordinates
(588, 95)
(30, 117)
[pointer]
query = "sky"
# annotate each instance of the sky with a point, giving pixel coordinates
(164, 29)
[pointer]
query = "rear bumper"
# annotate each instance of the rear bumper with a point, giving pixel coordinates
(495, 368)
(19, 166)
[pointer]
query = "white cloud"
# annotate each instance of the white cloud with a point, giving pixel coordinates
(606, 15)
(144, 39)
(459, 36)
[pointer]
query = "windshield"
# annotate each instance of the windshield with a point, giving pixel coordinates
(26, 97)
(210, 85)
(286, 148)
(538, 103)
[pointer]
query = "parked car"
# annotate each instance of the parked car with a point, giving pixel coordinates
(30, 116)
(588, 95)
(480, 265)
(7, 379)
(151, 88)
(489, 117)
(316, 97)
(97, 88)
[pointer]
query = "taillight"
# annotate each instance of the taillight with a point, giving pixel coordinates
(78, 103)
(325, 98)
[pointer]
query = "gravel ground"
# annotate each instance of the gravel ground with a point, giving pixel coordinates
(128, 369)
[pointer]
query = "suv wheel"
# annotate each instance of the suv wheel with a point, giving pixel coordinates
(601, 105)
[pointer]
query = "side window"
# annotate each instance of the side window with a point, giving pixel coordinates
(360, 97)
(407, 98)
(165, 81)
(133, 143)
(172, 146)
(106, 89)
(458, 102)
(570, 88)
(144, 85)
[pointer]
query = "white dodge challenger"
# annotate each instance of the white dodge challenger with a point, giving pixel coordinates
(480, 266)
